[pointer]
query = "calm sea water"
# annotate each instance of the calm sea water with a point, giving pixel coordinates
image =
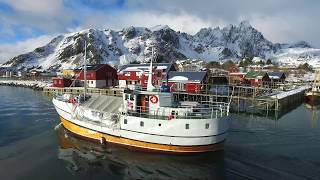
(32, 147)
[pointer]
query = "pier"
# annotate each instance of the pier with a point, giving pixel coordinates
(257, 100)
(79, 90)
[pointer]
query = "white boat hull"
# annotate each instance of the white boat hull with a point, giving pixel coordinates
(155, 134)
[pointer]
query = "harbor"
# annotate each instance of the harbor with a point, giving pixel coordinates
(246, 99)
(256, 146)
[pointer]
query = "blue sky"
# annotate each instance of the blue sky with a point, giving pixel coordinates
(26, 24)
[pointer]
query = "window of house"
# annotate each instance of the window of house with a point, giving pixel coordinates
(187, 126)
(141, 123)
(125, 121)
(131, 97)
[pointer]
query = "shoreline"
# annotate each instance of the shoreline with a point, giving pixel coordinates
(33, 84)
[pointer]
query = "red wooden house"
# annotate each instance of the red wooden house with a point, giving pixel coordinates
(61, 82)
(138, 74)
(98, 76)
(257, 78)
(236, 75)
(191, 82)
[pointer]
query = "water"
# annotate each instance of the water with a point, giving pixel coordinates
(256, 148)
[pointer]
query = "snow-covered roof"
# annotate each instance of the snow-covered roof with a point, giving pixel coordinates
(186, 76)
(178, 78)
(144, 67)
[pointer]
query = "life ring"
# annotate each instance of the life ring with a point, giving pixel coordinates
(153, 99)
(73, 100)
(130, 105)
(170, 117)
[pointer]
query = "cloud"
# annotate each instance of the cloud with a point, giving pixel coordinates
(38, 6)
(8, 51)
(278, 20)
(180, 22)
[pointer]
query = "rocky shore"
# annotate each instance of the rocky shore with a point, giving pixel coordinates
(34, 84)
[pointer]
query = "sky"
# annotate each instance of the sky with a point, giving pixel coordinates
(27, 24)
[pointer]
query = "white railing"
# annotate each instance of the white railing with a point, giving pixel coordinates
(76, 99)
(216, 110)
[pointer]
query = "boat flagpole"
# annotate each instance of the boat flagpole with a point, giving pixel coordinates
(150, 87)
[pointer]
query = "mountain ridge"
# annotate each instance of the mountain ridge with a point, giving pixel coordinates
(135, 43)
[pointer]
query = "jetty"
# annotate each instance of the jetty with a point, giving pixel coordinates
(243, 98)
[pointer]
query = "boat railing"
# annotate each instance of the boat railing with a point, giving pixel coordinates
(71, 98)
(205, 112)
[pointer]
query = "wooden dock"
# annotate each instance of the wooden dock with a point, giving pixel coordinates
(79, 90)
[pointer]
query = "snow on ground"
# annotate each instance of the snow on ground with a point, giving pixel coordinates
(308, 77)
(291, 92)
(26, 83)
(297, 56)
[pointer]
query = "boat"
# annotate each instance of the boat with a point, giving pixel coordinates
(148, 119)
(313, 96)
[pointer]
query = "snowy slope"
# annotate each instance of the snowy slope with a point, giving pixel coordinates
(296, 56)
(135, 44)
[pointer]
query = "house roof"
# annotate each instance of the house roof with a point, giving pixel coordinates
(276, 75)
(186, 76)
(144, 67)
(255, 75)
(92, 67)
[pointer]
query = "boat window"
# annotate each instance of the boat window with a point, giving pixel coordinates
(207, 125)
(141, 123)
(125, 121)
(187, 126)
(131, 97)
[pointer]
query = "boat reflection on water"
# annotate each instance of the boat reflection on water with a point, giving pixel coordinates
(315, 112)
(85, 157)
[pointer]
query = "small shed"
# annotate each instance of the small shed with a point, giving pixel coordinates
(61, 82)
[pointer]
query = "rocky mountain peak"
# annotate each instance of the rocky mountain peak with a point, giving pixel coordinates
(135, 44)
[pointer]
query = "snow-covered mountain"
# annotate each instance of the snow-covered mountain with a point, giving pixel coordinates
(135, 44)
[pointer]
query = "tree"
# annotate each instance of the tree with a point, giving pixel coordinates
(305, 67)
(260, 62)
(228, 64)
(269, 62)
(213, 64)
(245, 62)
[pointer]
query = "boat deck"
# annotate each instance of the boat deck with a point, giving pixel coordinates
(102, 103)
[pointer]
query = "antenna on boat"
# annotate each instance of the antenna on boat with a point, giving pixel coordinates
(85, 69)
(150, 87)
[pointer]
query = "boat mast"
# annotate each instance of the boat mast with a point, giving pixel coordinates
(150, 87)
(85, 69)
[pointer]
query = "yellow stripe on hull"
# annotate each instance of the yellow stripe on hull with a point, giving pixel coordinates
(137, 144)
